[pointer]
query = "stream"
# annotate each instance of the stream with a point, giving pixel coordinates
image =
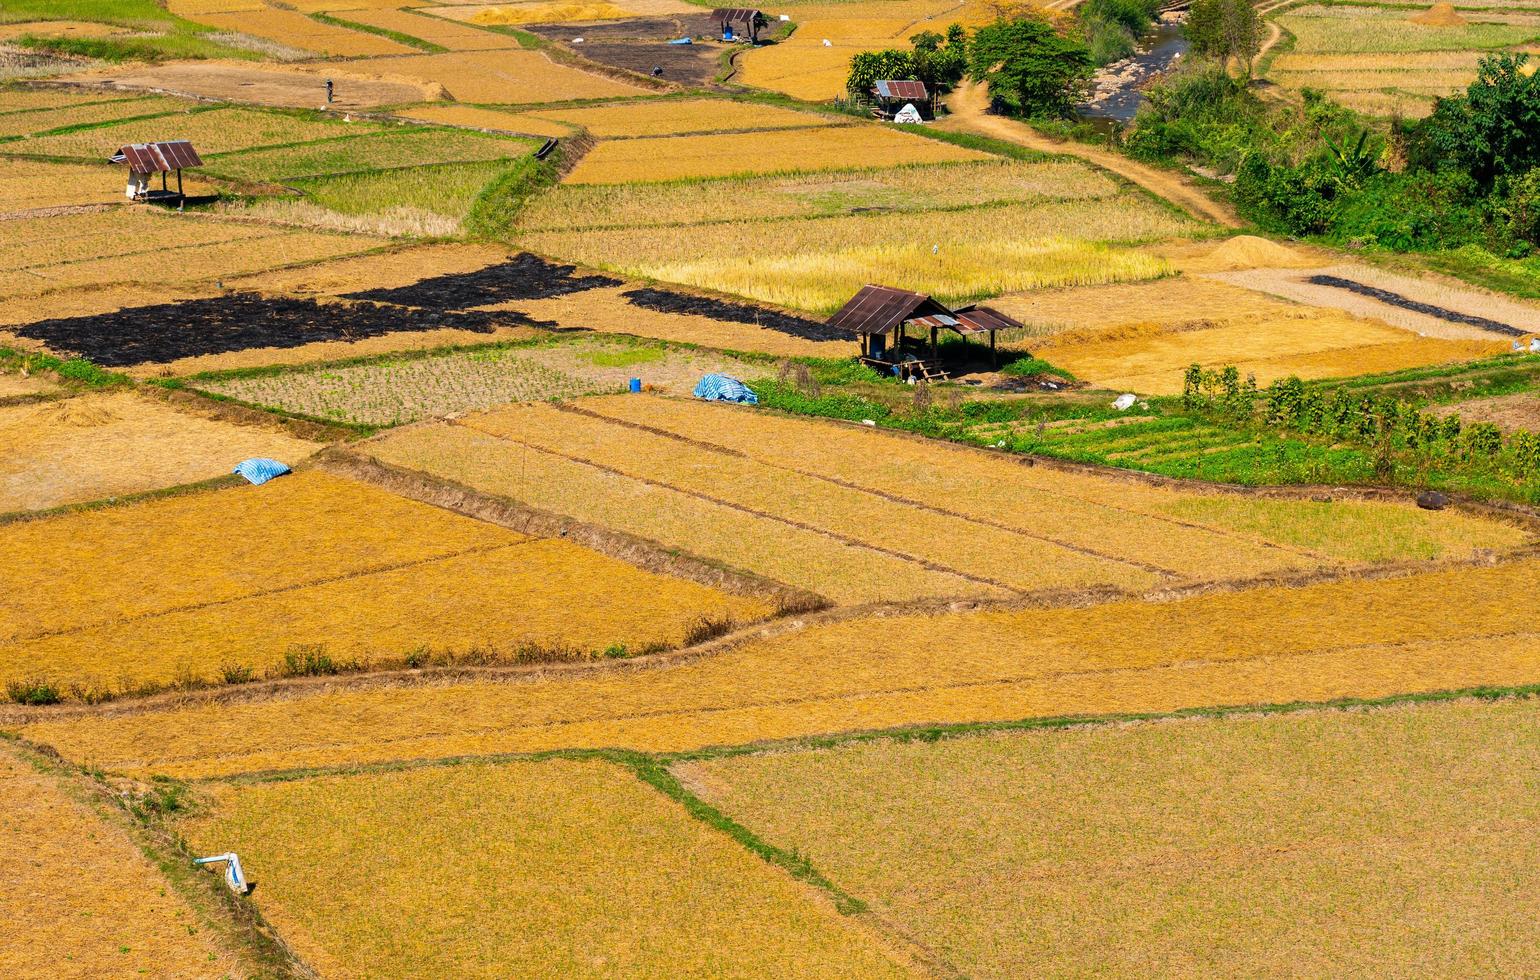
(1115, 95)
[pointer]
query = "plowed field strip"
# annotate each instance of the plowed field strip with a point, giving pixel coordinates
(762, 515)
(264, 593)
(875, 492)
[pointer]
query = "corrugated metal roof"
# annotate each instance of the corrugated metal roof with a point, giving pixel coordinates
(890, 89)
(878, 309)
(978, 319)
(745, 15)
(937, 320)
(154, 158)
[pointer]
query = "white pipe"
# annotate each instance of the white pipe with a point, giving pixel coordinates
(234, 876)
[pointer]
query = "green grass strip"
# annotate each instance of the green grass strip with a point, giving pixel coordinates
(385, 32)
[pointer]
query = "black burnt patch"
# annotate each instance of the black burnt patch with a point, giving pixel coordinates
(523, 276)
(664, 301)
(1427, 309)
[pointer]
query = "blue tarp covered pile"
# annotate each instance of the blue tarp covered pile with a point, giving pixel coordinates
(721, 388)
(260, 469)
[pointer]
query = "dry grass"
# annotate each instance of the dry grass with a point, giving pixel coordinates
(495, 119)
(1117, 518)
(816, 264)
(913, 188)
(609, 311)
(672, 117)
(103, 445)
(80, 900)
(295, 30)
(500, 77)
(35, 184)
(735, 154)
(546, 13)
(57, 241)
(370, 152)
(491, 593)
(1386, 104)
(85, 301)
(398, 267)
(19, 98)
(1176, 302)
(212, 131)
(445, 33)
(1353, 30)
(1440, 630)
(611, 879)
(805, 558)
(1016, 560)
(89, 111)
(392, 392)
(1342, 843)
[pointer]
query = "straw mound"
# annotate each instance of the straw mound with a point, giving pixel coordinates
(74, 413)
(1439, 15)
(1251, 252)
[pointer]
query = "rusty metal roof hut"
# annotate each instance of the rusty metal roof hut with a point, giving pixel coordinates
(739, 23)
(892, 95)
(877, 313)
(144, 159)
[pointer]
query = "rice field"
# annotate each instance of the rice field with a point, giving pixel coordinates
(817, 264)
(735, 154)
(16, 98)
(1346, 843)
(36, 184)
(1366, 30)
(406, 389)
(95, 446)
(367, 153)
(212, 131)
(921, 187)
(435, 30)
(479, 117)
(500, 77)
(612, 878)
(557, 12)
(483, 588)
(80, 899)
(673, 117)
(88, 111)
(295, 30)
(1439, 630)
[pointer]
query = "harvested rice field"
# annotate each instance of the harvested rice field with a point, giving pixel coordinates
(500, 77)
(263, 578)
(355, 875)
(673, 117)
(86, 112)
(909, 188)
(264, 83)
(80, 899)
(425, 27)
(1449, 629)
(95, 446)
(295, 30)
(217, 130)
(34, 184)
(645, 463)
(734, 154)
(1350, 843)
(817, 264)
(371, 152)
(477, 117)
(399, 390)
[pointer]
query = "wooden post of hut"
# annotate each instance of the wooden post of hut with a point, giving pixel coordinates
(145, 159)
(978, 319)
(876, 313)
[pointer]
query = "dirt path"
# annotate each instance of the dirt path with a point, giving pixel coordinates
(969, 105)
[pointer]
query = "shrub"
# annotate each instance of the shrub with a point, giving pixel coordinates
(33, 692)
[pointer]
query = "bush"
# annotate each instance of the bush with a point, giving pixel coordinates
(33, 692)
(1031, 68)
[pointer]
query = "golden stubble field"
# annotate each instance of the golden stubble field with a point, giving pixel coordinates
(1349, 843)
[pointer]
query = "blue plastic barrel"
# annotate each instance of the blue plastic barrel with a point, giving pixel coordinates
(636, 385)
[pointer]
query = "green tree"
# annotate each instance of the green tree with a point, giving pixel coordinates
(1225, 29)
(868, 67)
(1031, 68)
(1491, 132)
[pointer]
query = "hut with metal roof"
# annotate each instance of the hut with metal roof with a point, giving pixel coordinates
(739, 23)
(891, 95)
(882, 319)
(147, 159)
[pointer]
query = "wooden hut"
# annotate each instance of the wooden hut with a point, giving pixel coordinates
(882, 318)
(147, 159)
(739, 23)
(891, 95)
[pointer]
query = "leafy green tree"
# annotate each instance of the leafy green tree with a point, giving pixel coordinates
(1030, 67)
(1491, 132)
(1225, 29)
(868, 67)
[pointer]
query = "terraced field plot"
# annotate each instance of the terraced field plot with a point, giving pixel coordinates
(35, 184)
(816, 265)
(314, 564)
(212, 131)
(367, 153)
(880, 517)
(665, 894)
(480, 117)
(89, 109)
(407, 389)
(501, 77)
(1440, 630)
(84, 885)
(103, 445)
(1349, 843)
(22, 99)
(295, 30)
(733, 154)
(672, 117)
(435, 30)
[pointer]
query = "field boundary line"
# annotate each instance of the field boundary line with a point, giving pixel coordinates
(242, 929)
(1167, 573)
(296, 688)
(844, 539)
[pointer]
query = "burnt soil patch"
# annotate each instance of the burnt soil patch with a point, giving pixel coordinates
(630, 29)
(1396, 299)
(695, 64)
(664, 301)
(239, 321)
(523, 276)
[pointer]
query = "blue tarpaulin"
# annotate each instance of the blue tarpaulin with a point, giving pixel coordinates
(259, 470)
(721, 388)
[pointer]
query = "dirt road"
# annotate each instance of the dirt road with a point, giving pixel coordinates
(969, 105)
